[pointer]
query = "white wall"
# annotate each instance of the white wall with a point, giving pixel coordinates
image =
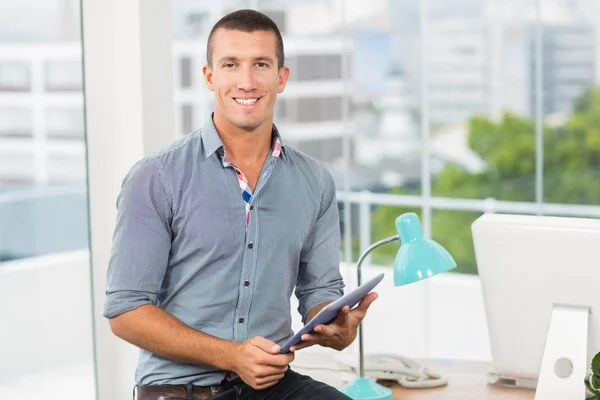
(49, 323)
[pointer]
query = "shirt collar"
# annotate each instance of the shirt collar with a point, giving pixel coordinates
(212, 141)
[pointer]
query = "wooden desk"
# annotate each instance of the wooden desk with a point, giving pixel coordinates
(466, 380)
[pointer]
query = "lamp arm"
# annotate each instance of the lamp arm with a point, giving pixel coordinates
(370, 249)
(359, 272)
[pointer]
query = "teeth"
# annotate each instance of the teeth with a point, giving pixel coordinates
(246, 101)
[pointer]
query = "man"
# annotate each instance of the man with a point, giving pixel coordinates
(215, 233)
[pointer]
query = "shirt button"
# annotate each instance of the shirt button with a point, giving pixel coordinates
(246, 283)
(241, 320)
(250, 245)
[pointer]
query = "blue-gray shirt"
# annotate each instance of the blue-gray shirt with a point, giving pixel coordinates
(181, 243)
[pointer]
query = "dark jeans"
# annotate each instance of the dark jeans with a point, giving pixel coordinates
(293, 386)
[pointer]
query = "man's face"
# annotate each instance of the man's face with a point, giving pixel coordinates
(245, 77)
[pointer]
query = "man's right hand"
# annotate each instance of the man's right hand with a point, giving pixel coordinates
(258, 362)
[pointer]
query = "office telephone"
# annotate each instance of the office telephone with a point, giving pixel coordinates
(408, 373)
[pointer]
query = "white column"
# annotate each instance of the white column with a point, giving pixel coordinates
(129, 113)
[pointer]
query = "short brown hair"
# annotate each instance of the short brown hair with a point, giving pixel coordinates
(247, 21)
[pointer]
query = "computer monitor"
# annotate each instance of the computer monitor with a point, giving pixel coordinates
(540, 278)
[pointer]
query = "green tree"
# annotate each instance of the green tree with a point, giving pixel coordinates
(571, 169)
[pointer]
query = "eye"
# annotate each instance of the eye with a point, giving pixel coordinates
(228, 65)
(262, 64)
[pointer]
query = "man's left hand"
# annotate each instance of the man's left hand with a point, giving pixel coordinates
(341, 332)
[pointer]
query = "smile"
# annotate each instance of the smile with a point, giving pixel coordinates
(247, 102)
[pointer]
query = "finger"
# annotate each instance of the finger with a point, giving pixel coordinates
(264, 380)
(265, 385)
(360, 311)
(279, 360)
(302, 345)
(342, 318)
(326, 330)
(317, 338)
(268, 371)
(367, 300)
(289, 357)
(341, 321)
(265, 344)
(309, 336)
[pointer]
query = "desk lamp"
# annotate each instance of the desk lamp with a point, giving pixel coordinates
(418, 258)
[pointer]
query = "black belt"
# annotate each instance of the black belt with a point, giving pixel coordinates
(181, 392)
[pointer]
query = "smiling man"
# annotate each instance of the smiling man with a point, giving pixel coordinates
(215, 233)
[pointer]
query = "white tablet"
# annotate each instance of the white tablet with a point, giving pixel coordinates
(329, 312)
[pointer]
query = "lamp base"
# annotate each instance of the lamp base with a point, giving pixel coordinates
(363, 388)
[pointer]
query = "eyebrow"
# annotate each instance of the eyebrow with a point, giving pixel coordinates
(235, 59)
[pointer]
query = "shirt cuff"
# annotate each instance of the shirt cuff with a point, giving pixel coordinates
(118, 303)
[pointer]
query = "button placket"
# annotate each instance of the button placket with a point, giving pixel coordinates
(249, 261)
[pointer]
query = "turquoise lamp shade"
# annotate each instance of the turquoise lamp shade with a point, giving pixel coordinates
(418, 258)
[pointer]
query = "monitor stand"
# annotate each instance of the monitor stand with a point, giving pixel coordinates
(564, 364)
(511, 381)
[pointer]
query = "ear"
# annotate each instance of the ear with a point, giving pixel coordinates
(208, 75)
(284, 74)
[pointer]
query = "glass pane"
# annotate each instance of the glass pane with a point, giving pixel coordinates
(387, 107)
(187, 119)
(480, 84)
(14, 76)
(310, 112)
(63, 76)
(192, 22)
(452, 229)
(65, 123)
(16, 171)
(45, 292)
(185, 65)
(571, 103)
(15, 122)
(66, 167)
(343, 222)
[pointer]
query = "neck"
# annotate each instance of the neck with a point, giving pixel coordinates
(242, 146)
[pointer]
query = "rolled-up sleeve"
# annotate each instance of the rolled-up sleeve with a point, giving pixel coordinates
(319, 277)
(141, 240)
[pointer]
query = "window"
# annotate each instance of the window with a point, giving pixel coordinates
(65, 123)
(187, 119)
(15, 122)
(44, 249)
(311, 109)
(186, 72)
(469, 112)
(316, 67)
(14, 76)
(63, 76)
(278, 16)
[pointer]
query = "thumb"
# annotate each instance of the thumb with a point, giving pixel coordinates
(367, 300)
(364, 304)
(265, 345)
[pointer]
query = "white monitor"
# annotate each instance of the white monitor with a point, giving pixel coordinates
(540, 278)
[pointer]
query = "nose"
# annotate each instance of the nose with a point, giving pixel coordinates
(246, 80)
